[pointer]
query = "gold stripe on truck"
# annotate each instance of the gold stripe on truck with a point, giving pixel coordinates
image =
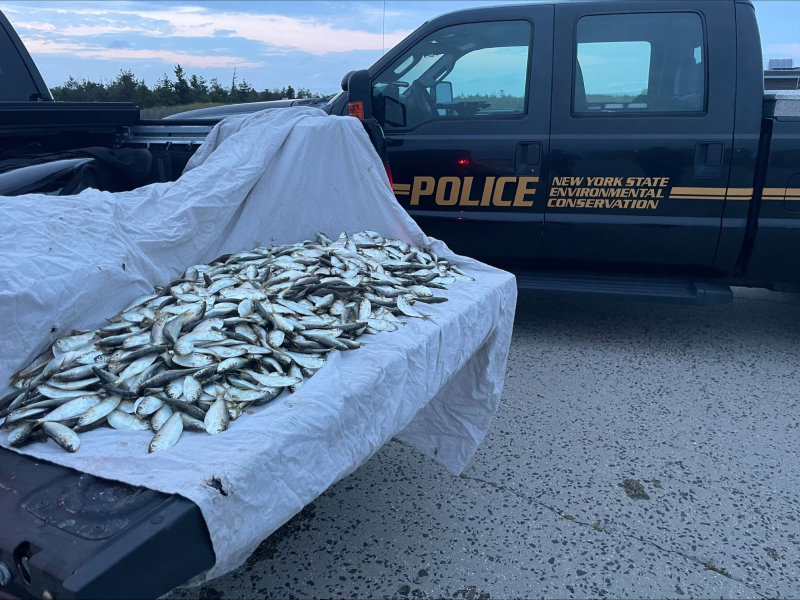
(773, 193)
(792, 194)
(696, 193)
(739, 194)
(401, 189)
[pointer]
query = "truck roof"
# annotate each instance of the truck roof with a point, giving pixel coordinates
(538, 2)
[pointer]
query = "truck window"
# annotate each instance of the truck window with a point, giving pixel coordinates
(16, 83)
(469, 70)
(648, 62)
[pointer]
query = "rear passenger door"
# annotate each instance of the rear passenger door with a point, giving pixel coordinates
(642, 127)
(465, 109)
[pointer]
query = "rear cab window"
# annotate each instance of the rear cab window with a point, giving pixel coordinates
(466, 70)
(639, 63)
(16, 83)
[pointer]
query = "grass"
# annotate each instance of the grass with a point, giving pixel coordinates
(159, 112)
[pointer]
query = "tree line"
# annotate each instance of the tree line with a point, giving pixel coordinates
(168, 92)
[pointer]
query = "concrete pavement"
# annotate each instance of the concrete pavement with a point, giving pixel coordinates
(641, 450)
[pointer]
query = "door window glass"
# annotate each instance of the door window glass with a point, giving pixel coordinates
(630, 63)
(474, 69)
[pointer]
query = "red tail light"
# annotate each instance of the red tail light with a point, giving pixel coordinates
(356, 109)
(389, 173)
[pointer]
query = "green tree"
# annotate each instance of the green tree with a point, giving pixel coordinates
(217, 93)
(246, 93)
(123, 88)
(144, 95)
(183, 93)
(184, 90)
(232, 93)
(163, 93)
(199, 88)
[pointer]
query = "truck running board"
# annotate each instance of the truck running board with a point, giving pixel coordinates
(663, 290)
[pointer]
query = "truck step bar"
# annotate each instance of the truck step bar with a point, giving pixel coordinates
(662, 290)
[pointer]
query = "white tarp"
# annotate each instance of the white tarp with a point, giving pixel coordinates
(268, 178)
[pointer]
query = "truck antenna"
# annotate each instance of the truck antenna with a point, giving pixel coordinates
(383, 30)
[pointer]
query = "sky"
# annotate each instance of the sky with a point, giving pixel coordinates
(271, 44)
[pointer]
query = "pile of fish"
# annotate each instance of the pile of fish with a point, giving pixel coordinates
(195, 354)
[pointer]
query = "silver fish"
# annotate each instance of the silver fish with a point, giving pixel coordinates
(63, 436)
(231, 364)
(24, 413)
(274, 381)
(224, 351)
(126, 406)
(294, 371)
(191, 389)
(73, 385)
(238, 395)
(160, 417)
(70, 410)
(139, 339)
(193, 360)
(275, 338)
(99, 410)
(21, 433)
(137, 366)
(168, 434)
(147, 405)
(407, 309)
(71, 343)
(73, 374)
(192, 424)
(120, 420)
(222, 284)
(54, 392)
(217, 418)
(174, 388)
(172, 328)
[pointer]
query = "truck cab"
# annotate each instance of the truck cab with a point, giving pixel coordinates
(614, 137)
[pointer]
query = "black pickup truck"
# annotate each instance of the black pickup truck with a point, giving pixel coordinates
(619, 147)
(622, 148)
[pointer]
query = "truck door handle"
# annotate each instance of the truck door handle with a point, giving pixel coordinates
(708, 159)
(529, 158)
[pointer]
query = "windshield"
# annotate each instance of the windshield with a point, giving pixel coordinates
(473, 69)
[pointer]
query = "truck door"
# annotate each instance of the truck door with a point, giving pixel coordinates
(642, 127)
(464, 106)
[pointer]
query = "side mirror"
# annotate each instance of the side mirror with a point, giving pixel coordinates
(359, 90)
(395, 112)
(443, 92)
(345, 79)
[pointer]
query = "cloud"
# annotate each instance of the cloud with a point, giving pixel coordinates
(305, 34)
(34, 26)
(789, 50)
(43, 46)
